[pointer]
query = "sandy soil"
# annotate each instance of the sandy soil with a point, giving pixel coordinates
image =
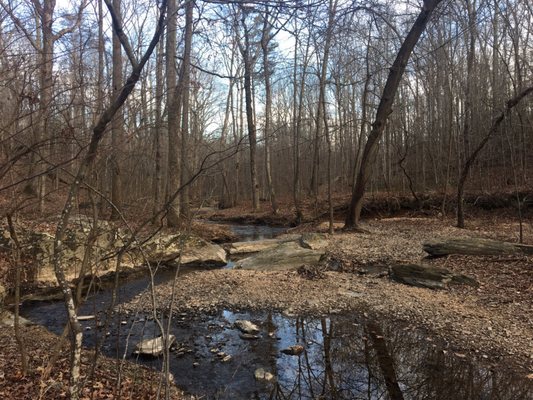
(492, 323)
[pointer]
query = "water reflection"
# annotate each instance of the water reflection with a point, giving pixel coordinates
(344, 358)
(248, 233)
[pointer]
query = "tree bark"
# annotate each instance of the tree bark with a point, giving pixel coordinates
(117, 125)
(158, 128)
(265, 42)
(467, 126)
(475, 247)
(173, 112)
(384, 110)
(184, 91)
(250, 120)
(322, 112)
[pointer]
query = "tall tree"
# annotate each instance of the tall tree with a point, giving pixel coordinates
(468, 113)
(184, 93)
(384, 110)
(245, 47)
(117, 125)
(266, 38)
(58, 261)
(173, 112)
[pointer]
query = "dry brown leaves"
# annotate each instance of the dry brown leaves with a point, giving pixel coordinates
(136, 383)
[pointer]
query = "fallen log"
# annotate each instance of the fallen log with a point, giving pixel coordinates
(427, 276)
(475, 247)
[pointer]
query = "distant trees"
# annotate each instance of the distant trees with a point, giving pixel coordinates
(384, 109)
(96, 106)
(293, 89)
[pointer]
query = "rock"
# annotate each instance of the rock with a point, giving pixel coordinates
(252, 246)
(164, 248)
(295, 350)
(247, 327)
(314, 241)
(286, 256)
(106, 241)
(8, 319)
(262, 375)
(248, 336)
(153, 347)
(260, 245)
(427, 276)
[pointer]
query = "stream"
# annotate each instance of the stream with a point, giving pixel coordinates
(344, 357)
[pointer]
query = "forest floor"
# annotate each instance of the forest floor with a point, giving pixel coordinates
(492, 323)
(100, 379)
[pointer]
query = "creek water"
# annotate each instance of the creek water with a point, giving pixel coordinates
(345, 356)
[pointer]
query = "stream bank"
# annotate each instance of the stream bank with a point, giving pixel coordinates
(458, 330)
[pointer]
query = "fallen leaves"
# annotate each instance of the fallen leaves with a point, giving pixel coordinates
(137, 382)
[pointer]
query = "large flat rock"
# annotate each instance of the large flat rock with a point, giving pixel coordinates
(104, 243)
(285, 256)
(255, 246)
(167, 248)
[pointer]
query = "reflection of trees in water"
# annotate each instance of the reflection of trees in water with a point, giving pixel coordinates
(345, 360)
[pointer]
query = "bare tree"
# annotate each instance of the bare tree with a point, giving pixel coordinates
(384, 110)
(88, 159)
(117, 125)
(245, 47)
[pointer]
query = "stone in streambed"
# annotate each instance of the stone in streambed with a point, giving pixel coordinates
(314, 241)
(295, 350)
(262, 375)
(246, 327)
(286, 256)
(240, 248)
(248, 336)
(153, 347)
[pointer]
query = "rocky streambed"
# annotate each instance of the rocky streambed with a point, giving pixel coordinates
(308, 345)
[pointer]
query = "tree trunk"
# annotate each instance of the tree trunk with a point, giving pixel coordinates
(321, 112)
(117, 125)
(467, 126)
(173, 111)
(384, 110)
(183, 92)
(18, 266)
(265, 42)
(252, 134)
(158, 128)
(475, 247)
(46, 92)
